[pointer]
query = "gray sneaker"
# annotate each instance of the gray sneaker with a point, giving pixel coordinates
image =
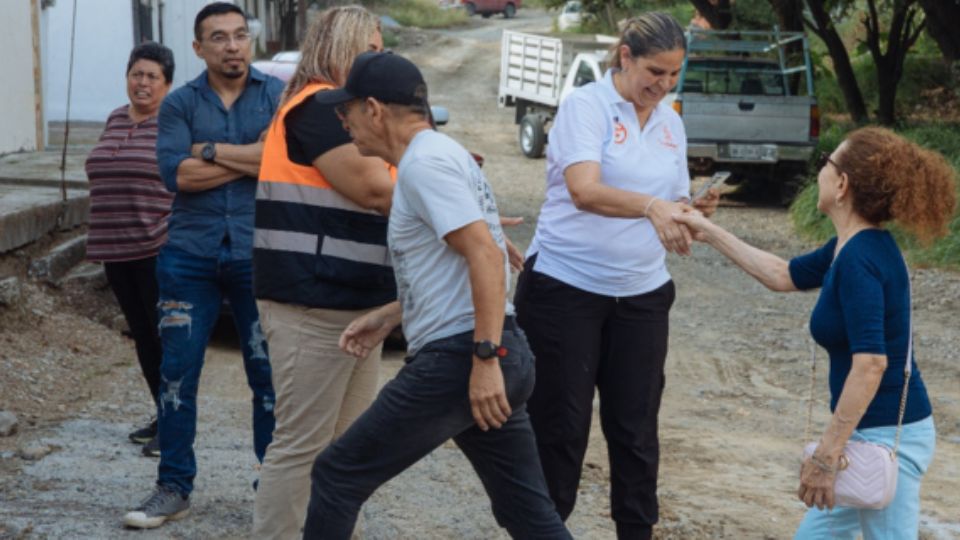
(162, 505)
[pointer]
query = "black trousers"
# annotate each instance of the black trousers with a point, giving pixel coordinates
(134, 283)
(583, 341)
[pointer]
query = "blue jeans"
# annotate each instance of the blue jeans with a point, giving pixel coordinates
(191, 292)
(900, 520)
(426, 404)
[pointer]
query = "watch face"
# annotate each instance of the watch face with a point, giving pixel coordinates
(209, 152)
(484, 350)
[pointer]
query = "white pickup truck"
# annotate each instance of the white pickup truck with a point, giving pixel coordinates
(538, 72)
(746, 110)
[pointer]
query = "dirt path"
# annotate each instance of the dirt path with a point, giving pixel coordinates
(731, 425)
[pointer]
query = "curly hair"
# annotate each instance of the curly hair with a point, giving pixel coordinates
(893, 179)
(331, 43)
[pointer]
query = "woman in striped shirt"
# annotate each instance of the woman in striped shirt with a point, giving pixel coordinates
(129, 207)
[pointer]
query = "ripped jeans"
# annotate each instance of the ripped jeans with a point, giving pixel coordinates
(191, 291)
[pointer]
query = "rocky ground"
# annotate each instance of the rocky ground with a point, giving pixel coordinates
(731, 425)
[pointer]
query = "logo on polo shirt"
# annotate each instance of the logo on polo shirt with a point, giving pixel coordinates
(619, 131)
(666, 139)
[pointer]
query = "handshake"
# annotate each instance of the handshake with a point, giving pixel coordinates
(679, 223)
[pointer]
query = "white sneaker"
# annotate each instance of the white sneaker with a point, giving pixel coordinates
(164, 504)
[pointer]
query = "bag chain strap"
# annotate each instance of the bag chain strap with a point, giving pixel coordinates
(907, 370)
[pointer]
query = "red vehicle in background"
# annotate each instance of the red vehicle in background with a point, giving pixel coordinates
(486, 8)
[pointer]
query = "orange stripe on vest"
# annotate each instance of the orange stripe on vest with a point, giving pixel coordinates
(275, 166)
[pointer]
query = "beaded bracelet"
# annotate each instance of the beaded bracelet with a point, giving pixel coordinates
(823, 466)
(646, 209)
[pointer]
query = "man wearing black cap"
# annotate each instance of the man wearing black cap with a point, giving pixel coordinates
(469, 370)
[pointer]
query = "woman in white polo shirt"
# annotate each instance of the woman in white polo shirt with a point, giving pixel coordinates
(595, 294)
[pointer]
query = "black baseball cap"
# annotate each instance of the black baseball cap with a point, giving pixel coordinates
(384, 76)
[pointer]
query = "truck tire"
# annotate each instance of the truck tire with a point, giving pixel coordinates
(471, 9)
(789, 189)
(509, 11)
(532, 136)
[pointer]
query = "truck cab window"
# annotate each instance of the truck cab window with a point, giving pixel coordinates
(584, 75)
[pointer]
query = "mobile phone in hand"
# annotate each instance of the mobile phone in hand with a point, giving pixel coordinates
(716, 180)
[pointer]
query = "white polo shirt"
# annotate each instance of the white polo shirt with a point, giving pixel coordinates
(606, 255)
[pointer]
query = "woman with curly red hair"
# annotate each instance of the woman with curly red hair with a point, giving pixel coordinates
(862, 317)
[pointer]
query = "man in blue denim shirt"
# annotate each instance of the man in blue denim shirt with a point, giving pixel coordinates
(208, 148)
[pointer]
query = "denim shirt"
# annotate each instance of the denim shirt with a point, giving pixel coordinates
(202, 221)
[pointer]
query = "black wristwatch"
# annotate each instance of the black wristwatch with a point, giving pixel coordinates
(486, 349)
(209, 152)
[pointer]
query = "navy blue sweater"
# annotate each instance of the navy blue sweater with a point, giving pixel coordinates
(864, 307)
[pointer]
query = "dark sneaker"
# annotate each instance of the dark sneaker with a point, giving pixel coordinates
(163, 505)
(145, 434)
(152, 448)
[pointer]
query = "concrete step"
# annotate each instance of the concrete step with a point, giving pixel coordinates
(60, 260)
(86, 275)
(28, 213)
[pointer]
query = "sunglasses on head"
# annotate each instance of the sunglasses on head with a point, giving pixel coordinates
(823, 159)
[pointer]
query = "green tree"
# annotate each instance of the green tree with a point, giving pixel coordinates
(892, 28)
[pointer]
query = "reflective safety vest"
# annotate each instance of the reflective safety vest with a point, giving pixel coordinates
(311, 245)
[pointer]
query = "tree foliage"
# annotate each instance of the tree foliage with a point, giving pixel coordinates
(943, 18)
(891, 28)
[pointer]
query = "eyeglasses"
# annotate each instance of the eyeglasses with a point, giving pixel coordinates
(221, 40)
(823, 159)
(149, 76)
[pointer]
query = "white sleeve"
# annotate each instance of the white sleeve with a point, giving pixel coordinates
(579, 130)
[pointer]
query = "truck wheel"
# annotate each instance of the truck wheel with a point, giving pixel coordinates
(789, 189)
(471, 9)
(532, 136)
(509, 11)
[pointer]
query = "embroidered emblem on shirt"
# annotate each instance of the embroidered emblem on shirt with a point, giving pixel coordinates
(619, 131)
(667, 139)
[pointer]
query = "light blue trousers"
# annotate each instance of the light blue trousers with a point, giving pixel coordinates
(900, 520)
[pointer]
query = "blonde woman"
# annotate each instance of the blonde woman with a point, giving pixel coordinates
(320, 261)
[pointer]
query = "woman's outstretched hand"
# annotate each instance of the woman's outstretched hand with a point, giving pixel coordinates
(695, 222)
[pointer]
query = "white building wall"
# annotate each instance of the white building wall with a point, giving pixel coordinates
(17, 92)
(104, 37)
(177, 22)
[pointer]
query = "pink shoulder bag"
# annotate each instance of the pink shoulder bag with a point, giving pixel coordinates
(867, 472)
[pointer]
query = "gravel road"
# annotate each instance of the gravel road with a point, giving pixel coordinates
(738, 377)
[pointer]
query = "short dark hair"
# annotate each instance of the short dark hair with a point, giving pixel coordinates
(154, 52)
(210, 10)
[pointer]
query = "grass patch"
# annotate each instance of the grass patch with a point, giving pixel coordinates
(421, 13)
(942, 137)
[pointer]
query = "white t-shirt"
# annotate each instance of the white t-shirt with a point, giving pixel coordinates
(606, 255)
(440, 188)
